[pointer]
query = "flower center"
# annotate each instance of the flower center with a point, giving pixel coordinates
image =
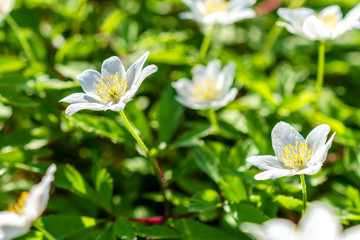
(18, 207)
(296, 157)
(330, 20)
(213, 6)
(112, 89)
(206, 90)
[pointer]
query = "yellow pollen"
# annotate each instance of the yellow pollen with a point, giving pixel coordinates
(18, 207)
(330, 20)
(296, 157)
(112, 89)
(206, 90)
(213, 6)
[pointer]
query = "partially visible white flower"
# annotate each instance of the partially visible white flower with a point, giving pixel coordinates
(218, 11)
(5, 8)
(209, 88)
(111, 89)
(16, 221)
(318, 223)
(294, 155)
(328, 24)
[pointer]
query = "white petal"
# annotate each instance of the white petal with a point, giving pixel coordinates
(213, 69)
(352, 233)
(290, 28)
(284, 134)
(75, 107)
(117, 107)
(89, 80)
(281, 229)
(311, 170)
(229, 97)
(321, 153)
(227, 76)
(315, 29)
(331, 10)
(317, 137)
(13, 225)
(135, 86)
(5, 8)
(245, 14)
(275, 173)
(193, 105)
(266, 162)
(111, 66)
(320, 223)
(183, 87)
(134, 70)
(186, 15)
(80, 98)
(295, 16)
(353, 15)
(38, 196)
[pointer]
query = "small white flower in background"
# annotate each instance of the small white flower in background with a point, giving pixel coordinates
(111, 89)
(218, 11)
(318, 223)
(294, 155)
(209, 88)
(16, 221)
(328, 24)
(5, 8)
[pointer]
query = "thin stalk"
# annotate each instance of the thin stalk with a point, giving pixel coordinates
(320, 71)
(304, 195)
(213, 119)
(23, 41)
(153, 162)
(39, 227)
(206, 43)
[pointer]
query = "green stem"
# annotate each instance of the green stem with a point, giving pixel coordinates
(23, 41)
(206, 43)
(39, 227)
(303, 185)
(153, 162)
(213, 119)
(320, 71)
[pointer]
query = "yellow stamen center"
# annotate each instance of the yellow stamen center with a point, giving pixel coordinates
(206, 90)
(296, 157)
(330, 20)
(213, 6)
(112, 89)
(18, 207)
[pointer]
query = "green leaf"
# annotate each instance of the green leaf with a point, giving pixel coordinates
(204, 200)
(193, 230)
(124, 229)
(233, 188)
(156, 232)
(169, 114)
(11, 64)
(61, 226)
(101, 126)
(112, 20)
(207, 162)
(107, 234)
(244, 212)
(289, 203)
(103, 186)
(138, 119)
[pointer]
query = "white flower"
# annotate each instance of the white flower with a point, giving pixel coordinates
(5, 8)
(318, 223)
(111, 89)
(218, 11)
(16, 221)
(328, 24)
(210, 87)
(294, 155)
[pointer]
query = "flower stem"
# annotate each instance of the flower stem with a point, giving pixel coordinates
(39, 227)
(206, 43)
(213, 119)
(320, 72)
(304, 195)
(23, 41)
(154, 163)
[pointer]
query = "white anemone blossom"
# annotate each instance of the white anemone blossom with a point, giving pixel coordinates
(219, 11)
(294, 155)
(5, 8)
(209, 88)
(328, 24)
(111, 89)
(17, 219)
(318, 223)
